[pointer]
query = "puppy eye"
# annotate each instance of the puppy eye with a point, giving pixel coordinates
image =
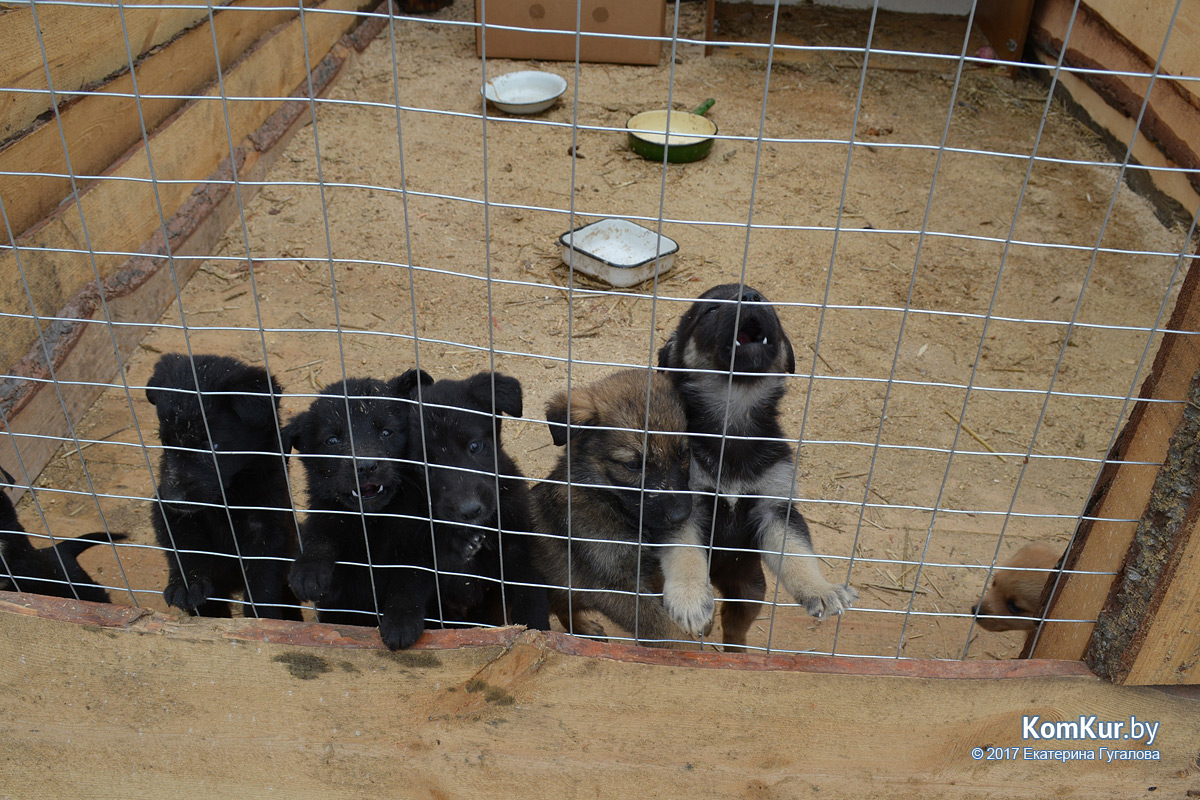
(475, 446)
(215, 446)
(633, 464)
(386, 432)
(333, 440)
(1015, 609)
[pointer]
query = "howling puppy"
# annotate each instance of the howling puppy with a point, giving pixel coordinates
(51, 570)
(224, 511)
(1014, 601)
(625, 508)
(727, 358)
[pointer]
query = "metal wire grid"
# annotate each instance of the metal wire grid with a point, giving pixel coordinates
(809, 379)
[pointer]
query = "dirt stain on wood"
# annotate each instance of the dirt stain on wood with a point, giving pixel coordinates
(492, 694)
(304, 666)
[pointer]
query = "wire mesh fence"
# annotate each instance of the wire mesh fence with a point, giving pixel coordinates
(967, 293)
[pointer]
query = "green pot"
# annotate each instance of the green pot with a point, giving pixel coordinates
(691, 134)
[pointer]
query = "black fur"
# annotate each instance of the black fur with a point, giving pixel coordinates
(355, 495)
(727, 358)
(477, 530)
(241, 465)
(52, 570)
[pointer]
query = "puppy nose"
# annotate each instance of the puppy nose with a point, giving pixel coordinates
(366, 465)
(751, 296)
(469, 509)
(678, 509)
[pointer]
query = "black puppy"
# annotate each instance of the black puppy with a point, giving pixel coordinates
(223, 507)
(52, 570)
(727, 358)
(362, 497)
(478, 504)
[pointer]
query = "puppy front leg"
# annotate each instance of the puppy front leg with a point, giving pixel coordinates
(687, 594)
(788, 552)
(190, 571)
(402, 618)
(311, 574)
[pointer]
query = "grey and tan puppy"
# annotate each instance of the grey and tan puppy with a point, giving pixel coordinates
(727, 357)
(629, 516)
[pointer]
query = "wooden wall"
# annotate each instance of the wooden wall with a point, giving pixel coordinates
(68, 233)
(1129, 37)
(1141, 519)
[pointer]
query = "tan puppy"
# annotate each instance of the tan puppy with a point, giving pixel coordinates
(1018, 592)
(629, 514)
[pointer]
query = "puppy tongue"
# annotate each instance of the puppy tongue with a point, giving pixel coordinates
(743, 337)
(370, 490)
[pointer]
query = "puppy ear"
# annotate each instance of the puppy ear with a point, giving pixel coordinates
(158, 378)
(254, 409)
(404, 384)
(666, 353)
(791, 355)
(7, 478)
(508, 392)
(290, 434)
(583, 414)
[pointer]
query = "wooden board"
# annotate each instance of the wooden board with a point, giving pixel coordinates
(1146, 633)
(1124, 490)
(149, 705)
(1005, 23)
(1146, 25)
(84, 353)
(1172, 119)
(99, 128)
(84, 45)
(122, 214)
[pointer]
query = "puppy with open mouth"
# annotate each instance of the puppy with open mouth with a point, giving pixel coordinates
(361, 543)
(727, 357)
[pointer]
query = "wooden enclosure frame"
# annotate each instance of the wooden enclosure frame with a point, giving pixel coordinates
(266, 58)
(508, 698)
(324, 712)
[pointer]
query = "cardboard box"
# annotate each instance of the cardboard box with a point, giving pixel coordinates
(555, 20)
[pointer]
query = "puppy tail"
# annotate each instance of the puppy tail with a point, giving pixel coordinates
(70, 549)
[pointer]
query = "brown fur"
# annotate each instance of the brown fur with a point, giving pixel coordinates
(606, 503)
(1018, 592)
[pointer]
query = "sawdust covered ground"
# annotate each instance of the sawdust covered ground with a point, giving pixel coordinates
(884, 350)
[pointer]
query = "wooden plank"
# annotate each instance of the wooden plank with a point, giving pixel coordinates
(1145, 26)
(85, 45)
(1171, 192)
(123, 214)
(142, 289)
(244, 708)
(1172, 118)
(1147, 633)
(1005, 23)
(1124, 490)
(99, 128)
